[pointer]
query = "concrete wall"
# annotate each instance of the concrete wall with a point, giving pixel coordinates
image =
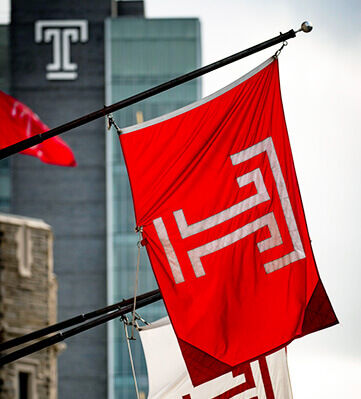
(71, 200)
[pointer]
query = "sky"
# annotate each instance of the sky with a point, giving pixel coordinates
(321, 86)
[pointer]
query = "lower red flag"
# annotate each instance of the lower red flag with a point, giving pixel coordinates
(215, 191)
(19, 122)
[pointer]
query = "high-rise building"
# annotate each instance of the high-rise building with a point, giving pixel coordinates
(57, 69)
(140, 53)
(68, 59)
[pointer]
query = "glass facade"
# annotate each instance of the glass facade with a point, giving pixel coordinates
(4, 86)
(140, 53)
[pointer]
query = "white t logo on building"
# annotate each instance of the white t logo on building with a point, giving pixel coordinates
(61, 33)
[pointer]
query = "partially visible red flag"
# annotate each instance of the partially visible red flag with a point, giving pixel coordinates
(18, 122)
(215, 190)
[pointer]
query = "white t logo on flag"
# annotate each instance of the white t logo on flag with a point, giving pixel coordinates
(269, 220)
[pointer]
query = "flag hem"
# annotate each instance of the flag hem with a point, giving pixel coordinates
(162, 118)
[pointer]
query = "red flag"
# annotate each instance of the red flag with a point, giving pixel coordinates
(19, 122)
(215, 189)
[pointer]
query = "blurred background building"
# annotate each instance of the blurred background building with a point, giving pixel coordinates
(64, 60)
(28, 290)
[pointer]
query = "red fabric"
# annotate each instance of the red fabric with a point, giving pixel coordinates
(256, 298)
(18, 122)
(249, 381)
(202, 367)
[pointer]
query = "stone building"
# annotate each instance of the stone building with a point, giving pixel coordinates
(28, 297)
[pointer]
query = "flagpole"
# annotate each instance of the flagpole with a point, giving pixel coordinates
(118, 310)
(39, 138)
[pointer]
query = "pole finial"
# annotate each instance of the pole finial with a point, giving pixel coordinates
(306, 27)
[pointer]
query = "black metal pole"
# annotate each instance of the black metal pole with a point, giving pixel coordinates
(71, 322)
(142, 301)
(39, 138)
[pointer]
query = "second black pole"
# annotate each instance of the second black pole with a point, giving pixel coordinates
(125, 307)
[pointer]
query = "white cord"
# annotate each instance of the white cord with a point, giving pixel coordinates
(130, 356)
(139, 230)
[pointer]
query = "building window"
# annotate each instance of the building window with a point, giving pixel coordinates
(24, 251)
(23, 385)
(25, 382)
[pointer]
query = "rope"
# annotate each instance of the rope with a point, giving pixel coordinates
(139, 230)
(125, 323)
